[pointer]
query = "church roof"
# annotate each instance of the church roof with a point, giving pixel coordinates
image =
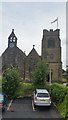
(15, 51)
(33, 53)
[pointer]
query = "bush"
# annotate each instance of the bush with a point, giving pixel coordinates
(66, 99)
(26, 89)
(40, 75)
(63, 107)
(58, 92)
(10, 82)
(59, 95)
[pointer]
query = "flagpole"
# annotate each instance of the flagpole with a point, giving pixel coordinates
(57, 22)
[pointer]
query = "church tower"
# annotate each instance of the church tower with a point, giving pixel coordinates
(12, 40)
(51, 52)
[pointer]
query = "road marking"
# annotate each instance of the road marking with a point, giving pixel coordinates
(54, 104)
(33, 106)
(8, 108)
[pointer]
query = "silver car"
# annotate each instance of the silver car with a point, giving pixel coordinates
(41, 97)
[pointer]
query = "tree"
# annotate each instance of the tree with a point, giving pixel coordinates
(10, 82)
(40, 75)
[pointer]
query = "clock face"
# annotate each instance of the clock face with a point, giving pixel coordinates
(11, 45)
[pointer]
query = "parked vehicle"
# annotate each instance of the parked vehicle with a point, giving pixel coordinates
(41, 97)
(65, 84)
(3, 101)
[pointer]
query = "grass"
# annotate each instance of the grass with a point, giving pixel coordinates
(24, 90)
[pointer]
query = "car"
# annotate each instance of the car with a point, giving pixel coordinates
(41, 97)
(65, 84)
(3, 101)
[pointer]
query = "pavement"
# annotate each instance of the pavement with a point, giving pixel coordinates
(24, 108)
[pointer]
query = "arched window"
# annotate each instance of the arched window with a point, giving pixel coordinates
(10, 39)
(14, 39)
(51, 43)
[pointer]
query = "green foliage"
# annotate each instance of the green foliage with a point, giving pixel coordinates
(59, 95)
(64, 80)
(48, 87)
(63, 107)
(25, 89)
(58, 92)
(66, 99)
(10, 82)
(40, 75)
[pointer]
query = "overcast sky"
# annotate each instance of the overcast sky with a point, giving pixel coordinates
(28, 19)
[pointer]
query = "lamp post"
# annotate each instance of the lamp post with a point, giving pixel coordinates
(24, 68)
(50, 77)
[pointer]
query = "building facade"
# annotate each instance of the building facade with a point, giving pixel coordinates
(50, 53)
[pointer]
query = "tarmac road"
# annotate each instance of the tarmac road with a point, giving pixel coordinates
(23, 108)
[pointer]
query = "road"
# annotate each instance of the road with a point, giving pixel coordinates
(22, 108)
(0, 114)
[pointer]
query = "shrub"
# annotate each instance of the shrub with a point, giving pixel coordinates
(10, 82)
(40, 75)
(26, 89)
(63, 107)
(66, 98)
(58, 92)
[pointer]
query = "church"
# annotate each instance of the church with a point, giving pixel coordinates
(50, 53)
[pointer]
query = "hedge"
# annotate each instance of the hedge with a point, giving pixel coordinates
(58, 92)
(63, 107)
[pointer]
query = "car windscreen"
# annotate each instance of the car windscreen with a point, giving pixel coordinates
(42, 95)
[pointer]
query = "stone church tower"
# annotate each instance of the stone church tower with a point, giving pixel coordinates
(51, 52)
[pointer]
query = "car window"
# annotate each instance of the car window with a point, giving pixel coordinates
(1, 98)
(42, 95)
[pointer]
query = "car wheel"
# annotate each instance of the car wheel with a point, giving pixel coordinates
(4, 108)
(50, 107)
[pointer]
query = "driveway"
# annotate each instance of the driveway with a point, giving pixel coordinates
(23, 108)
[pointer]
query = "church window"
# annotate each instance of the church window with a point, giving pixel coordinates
(14, 39)
(11, 39)
(51, 43)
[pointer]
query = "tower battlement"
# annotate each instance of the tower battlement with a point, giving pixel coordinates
(51, 32)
